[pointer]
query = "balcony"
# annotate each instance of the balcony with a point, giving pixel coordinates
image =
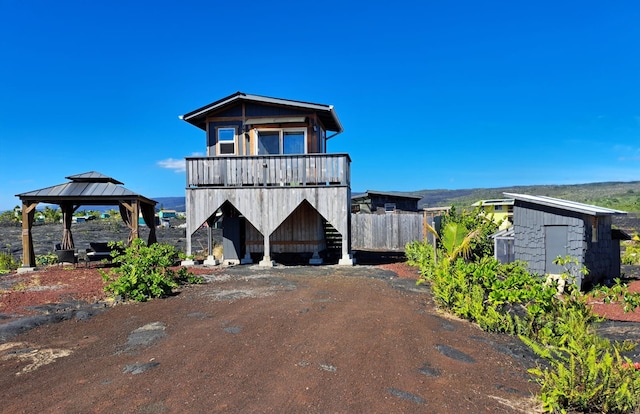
(269, 170)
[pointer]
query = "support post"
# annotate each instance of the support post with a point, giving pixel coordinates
(28, 254)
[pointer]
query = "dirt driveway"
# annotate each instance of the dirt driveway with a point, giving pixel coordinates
(325, 339)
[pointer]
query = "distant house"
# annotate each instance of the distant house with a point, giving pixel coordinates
(167, 214)
(383, 202)
(545, 228)
(500, 210)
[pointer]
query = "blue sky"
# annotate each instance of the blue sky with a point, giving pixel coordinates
(431, 94)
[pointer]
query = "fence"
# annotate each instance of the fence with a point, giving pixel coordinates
(389, 232)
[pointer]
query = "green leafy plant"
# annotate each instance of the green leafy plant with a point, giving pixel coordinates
(618, 292)
(7, 263)
(46, 259)
(631, 255)
(144, 271)
(585, 372)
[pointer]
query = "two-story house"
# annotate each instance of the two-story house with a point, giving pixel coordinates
(268, 177)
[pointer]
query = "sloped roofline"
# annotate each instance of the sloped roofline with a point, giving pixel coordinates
(494, 202)
(566, 205)
(383, 193)
(193, 116)
(90, 188)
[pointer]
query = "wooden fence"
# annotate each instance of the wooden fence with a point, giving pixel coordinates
(388, 232)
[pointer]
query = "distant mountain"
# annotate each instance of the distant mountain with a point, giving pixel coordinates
(171, 203)
(619, 195)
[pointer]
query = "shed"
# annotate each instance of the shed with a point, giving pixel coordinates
(90, 188)
(545, 228)
(384, 202)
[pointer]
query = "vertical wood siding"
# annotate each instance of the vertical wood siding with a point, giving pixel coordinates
(389, 232)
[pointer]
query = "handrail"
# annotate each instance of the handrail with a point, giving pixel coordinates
(269, 170)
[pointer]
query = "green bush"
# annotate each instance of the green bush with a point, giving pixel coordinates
(7, 263)
(586, 372)
(144, 271)
(46, 259)
(631, 255)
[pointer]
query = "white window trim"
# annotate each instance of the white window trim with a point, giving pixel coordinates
(235, 140)
(281, 132)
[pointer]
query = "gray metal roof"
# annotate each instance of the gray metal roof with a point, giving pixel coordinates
(325, 113)
(89, 188)
(92, 176)
(369, 193)
(566, 205)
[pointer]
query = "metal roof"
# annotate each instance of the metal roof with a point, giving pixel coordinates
(504, 234)
(497, 202)
(92, 176)
(325, 113)
(566, 205)
(369, 193)
(89, 188)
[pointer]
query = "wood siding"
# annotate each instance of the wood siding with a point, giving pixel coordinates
(390, 232)
(267, 208)
(271, 170)
(301, 232)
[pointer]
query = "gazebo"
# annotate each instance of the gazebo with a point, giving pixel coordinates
(87, 189)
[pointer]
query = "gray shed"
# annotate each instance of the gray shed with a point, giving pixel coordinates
(545, 228)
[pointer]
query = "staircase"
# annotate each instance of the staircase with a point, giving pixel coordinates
(333, 240)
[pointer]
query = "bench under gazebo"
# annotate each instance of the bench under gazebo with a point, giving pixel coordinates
(87, 189)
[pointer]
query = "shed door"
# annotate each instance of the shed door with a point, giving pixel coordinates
(555, 244)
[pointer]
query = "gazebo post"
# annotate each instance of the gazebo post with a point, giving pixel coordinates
(28, 254)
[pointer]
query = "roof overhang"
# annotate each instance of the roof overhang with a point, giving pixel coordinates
(325, 113)
(566, 205)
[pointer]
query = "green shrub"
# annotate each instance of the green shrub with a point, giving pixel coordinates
(46, 259)
(144, 271)
(631, 255)
(586, 372)
(7, 262)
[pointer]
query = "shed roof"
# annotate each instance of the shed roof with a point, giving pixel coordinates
(370, 193)
(90, 188)
(325, 113)
(495, 202)
(566, 205)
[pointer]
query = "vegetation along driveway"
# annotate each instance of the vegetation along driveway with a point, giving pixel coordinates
(324, 339)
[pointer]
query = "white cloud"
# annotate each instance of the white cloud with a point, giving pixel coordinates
(177, 165)
(173, 164)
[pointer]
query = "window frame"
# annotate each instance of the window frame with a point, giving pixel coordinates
(226, 141)
(281, 134)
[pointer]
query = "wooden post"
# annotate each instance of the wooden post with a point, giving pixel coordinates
(28, 254)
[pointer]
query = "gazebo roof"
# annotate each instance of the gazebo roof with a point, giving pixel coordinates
(90, 188)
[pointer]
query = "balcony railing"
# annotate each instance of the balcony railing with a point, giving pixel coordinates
(269, 170)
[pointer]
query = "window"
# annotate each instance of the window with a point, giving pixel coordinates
(281, 141)
(226, 141)
(389, 207)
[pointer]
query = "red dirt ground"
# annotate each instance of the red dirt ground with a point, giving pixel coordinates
(305, 339)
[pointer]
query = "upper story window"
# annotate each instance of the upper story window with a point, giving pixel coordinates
(281, 141)
(226, 141)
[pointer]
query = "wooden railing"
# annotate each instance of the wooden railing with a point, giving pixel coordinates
(269, 170)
